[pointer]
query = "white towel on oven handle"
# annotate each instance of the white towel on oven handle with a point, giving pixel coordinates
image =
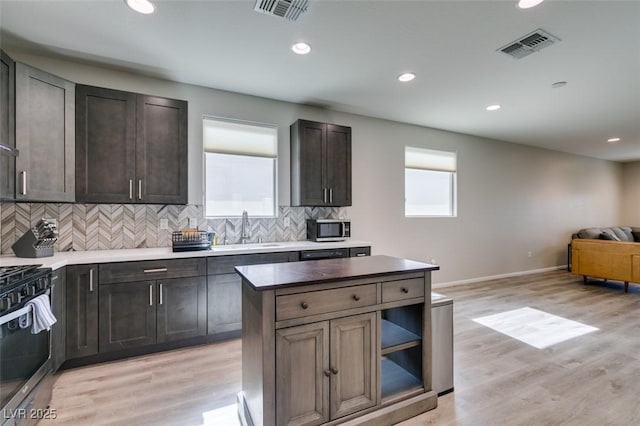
(42, 316)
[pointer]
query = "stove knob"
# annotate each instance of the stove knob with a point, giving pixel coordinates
(29, 290)
(5, 304)
(15, 298)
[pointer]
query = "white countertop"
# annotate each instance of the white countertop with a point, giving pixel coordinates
(61, 259)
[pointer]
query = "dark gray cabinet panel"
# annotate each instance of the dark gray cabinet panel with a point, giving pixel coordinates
(226, 264)
(320, 164)
(161, 150)
(131, 148)
(58, 307)
(127, 315)
(181, 308)
(105, 145)
(7, 128)
(224, 297)
(81, 310)
(45, 117)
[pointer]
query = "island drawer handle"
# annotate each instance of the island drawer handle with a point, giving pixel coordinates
(405, 290)
(148, 271)
(304, 305)
(356, 297)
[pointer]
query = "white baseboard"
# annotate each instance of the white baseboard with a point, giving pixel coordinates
(496, 277)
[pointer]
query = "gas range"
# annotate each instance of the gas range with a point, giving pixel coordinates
(21, 283)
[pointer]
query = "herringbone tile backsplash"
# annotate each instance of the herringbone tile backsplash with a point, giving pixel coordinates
(120, 226)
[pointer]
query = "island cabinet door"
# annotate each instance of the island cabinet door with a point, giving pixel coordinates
(182, 308)
(127, 315)
(354, 384)
(302, 375)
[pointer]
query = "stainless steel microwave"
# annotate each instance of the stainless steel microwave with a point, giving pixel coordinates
(328, 229)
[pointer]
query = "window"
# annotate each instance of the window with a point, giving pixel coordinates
(240, 168)
(429, 182)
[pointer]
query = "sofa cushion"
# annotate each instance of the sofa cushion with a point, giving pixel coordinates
(608, 235)
(590, 233)
(622, 232)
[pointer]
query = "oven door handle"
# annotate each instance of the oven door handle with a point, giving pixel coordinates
(16, 314)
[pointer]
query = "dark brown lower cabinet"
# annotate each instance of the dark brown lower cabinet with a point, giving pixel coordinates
(58, 307)
(326, 370)
(81, 311)
(224, 295)
(143, 313)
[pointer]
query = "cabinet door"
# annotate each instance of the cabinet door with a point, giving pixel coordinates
(302, 374)
(45, 105)
(338, 160)
(7, 128)
(58, 307)
(127, 315)
(308, 163)
(182, 308)
(161, 150)
(82, 311)
(224, 296)
(354, 384)
(105, 145)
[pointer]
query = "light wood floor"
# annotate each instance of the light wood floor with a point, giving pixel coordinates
(590, 380)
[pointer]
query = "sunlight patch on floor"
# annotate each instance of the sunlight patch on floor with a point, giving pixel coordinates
(534, 327)
(227, 416)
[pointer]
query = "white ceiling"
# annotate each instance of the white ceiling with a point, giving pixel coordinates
(360, 47)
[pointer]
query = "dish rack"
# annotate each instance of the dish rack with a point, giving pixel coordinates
(191, 240)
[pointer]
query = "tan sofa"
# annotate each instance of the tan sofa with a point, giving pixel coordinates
(614, 260)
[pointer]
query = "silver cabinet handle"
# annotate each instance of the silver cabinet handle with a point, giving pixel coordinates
(324, 195)
(150, 294)
(23, 174)
(149, 271)
(139, 189)
(91, 280)
(160, 293)
(131, 189)
(330, 195)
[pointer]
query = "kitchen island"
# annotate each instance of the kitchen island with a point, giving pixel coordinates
(338, 341)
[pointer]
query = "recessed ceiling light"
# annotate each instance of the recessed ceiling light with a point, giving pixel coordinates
(612, 140)
(526, 4)
(141, 6)
(494, 107)
(559, 84)
(407, 76)
(301, 48)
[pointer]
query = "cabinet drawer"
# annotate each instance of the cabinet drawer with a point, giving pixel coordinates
(151, 270)
(320, 302)
(402, 289)
(225, 264)
(359, 251)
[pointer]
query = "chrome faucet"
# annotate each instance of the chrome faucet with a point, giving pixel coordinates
(245, 232)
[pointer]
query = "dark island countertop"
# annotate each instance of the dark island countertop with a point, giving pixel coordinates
(278, 275)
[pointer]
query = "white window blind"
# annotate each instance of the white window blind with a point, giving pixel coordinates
(240, 168)
(430, 182)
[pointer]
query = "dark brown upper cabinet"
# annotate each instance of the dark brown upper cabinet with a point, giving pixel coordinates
(44, 136)
(320, 164)
(130, 148)
(7, 128)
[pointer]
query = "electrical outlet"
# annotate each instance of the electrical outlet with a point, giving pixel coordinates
(164, 223)
(287, 222)
(528, 254)
(193, 222)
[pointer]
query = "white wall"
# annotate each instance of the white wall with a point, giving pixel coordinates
(631, 191)
(512, 199)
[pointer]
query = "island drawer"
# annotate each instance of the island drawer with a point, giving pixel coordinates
(402, 289)
(119, 272)
(324, 301)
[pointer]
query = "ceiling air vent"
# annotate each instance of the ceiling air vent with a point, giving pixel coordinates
(528, 44)
(287, 9)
